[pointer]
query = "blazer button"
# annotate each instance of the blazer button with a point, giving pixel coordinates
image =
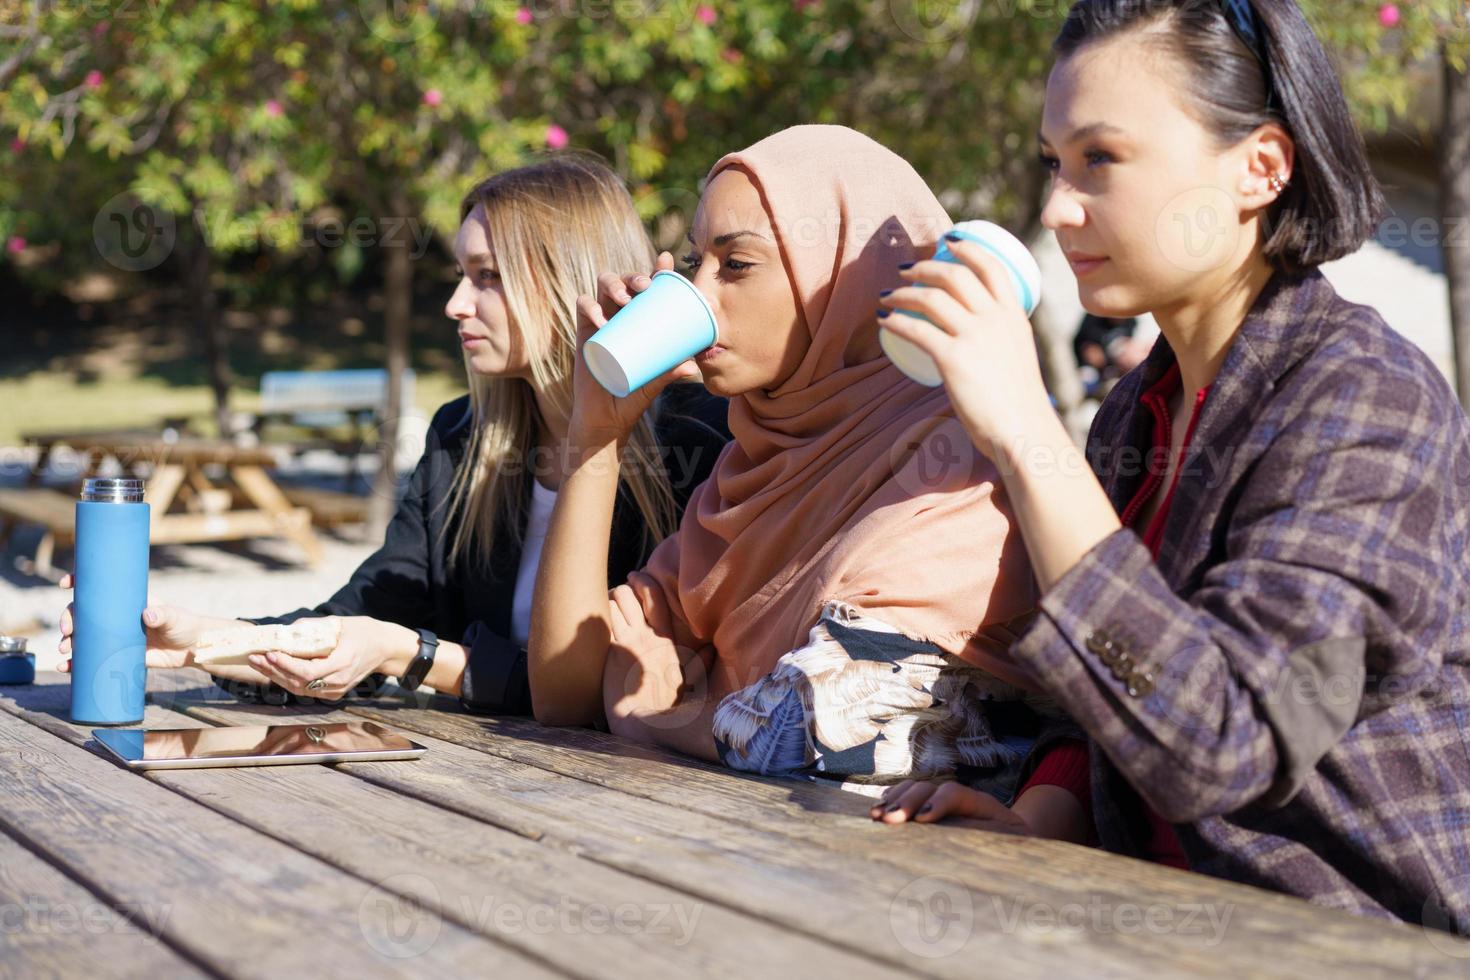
(1140, 684)
(1100, 643)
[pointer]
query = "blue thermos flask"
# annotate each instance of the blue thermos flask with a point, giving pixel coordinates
(108, 665)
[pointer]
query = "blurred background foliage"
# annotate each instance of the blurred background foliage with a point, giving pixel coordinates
(294, 167)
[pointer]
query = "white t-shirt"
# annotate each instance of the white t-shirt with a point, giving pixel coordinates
(542, 502)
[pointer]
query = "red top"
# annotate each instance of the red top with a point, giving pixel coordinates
(1062, 765)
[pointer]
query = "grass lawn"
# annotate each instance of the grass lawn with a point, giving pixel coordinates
(134, 365)
(54, 401)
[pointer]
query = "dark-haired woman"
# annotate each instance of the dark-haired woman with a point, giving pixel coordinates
(1255, 598)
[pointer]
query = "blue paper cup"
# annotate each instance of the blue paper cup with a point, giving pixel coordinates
(1025, 277)
(661, 328)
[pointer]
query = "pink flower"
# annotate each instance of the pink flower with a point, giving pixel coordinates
(16, 245)
(706, 15)
(272, 108)
(99, 29)
(93, 79)
(1388, 15)
(523, 16)
(556, 137)
(433, 97)
(17, 145)
(733, 56)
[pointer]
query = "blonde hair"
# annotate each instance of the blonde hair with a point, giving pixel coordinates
(554, 226)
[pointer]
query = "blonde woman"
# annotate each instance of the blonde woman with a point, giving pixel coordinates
(446, 601)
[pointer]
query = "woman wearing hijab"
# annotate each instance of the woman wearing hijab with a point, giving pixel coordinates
(834, 599)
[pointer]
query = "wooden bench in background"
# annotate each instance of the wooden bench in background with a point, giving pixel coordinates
(329, 508)
(52, 510)
(338, 410)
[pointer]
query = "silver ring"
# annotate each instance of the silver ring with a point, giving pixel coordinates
(317, 684)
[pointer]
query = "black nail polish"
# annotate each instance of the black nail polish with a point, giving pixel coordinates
(951, 237)
(924, 809)
(908, 265)
(890, 807)
(884, 292)
(884, 314)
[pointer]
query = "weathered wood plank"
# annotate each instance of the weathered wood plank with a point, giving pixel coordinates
(240, 903)
(52, 927)
(1268, 926)
(575, 914)
(942, 919)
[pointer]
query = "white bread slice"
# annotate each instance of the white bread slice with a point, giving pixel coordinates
(307, 638)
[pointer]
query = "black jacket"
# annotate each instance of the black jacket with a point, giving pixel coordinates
(409, 580)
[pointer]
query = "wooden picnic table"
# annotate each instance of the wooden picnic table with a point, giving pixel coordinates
(515, 850)
(188, 504)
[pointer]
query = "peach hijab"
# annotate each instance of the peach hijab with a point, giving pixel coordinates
(849, 481)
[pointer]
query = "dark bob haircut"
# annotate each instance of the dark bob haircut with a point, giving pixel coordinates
(1250, 62)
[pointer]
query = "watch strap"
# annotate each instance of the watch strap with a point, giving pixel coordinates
(418, 667)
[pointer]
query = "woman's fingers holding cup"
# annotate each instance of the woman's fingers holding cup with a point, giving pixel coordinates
(937, 306)
(613, 293)
(988, 269)
(958, 281)
(590, 317)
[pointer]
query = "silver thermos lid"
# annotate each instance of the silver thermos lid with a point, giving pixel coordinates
(12, 646)
(112, 490)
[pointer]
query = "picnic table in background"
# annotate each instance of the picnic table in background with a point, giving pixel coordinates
(240, 501)
(515, 850)
(325, 404)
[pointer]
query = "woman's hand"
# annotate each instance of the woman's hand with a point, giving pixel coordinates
(364, 646)
(651, 684)
(928, 802)
(598, 418)
(171, 635)
(981, 340)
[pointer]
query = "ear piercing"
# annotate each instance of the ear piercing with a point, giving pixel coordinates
(1279, 183)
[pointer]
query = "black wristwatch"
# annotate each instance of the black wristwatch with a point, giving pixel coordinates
(418, 667)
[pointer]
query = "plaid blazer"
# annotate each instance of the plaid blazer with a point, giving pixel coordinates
(1289, 684)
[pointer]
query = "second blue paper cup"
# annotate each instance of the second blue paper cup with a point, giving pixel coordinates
(659, 329)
